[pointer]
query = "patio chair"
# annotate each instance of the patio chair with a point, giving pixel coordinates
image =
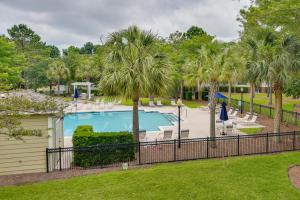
(151, 103)
(167, 135)
(230, 111)
(234, 114)
(159, 102)
(229, 130)
(110, 105)
(185, 134)
(245, 118)
(250, 121)
(173, 103)
(142, 136)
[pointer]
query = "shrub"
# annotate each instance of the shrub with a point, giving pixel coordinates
(98, 149)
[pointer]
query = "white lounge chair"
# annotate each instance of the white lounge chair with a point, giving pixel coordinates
(229, 129)
(234, 114)
(252, 121)
(245, 118)
(159, 102)
(151, 103)
(173, 103)
(167, 135)
(110, 105)
(230, 111)
(142, 136)
(184, 134)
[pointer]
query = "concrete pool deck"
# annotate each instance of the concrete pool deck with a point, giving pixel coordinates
(194, 119)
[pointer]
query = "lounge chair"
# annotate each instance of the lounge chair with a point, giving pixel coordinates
(159, 102)
(184, 134)
(245, 118)
(173, 103)
(229, 130)
(234, 114)
(167, 135)
(110, 105)
(250, 121)
(230, 111)
(151, 103)
(142, 136)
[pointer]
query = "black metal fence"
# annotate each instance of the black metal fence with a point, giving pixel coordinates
(287, 116)
(169, 151)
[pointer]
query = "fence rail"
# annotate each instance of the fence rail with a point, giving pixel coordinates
(101, 156)
(290, 117)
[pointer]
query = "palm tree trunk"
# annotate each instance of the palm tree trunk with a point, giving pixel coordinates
(199, 90)
(278, 108)
(212, 107)
(252, 88)
(181, 89)
(270, 94)
(58, 87)
(135, 115)
(229, 94)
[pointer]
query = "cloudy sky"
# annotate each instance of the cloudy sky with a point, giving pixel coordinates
(74, 22)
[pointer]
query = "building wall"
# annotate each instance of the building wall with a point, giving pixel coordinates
(29, 154)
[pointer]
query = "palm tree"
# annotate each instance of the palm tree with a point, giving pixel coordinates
(252, 69)
(134, 68)
(57, 71)
(211, 64)
(234, 62)
(87, 70)
(285, 62)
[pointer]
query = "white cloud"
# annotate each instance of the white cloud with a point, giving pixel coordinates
(70, 22)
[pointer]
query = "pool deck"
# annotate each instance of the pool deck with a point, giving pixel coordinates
(194, 119)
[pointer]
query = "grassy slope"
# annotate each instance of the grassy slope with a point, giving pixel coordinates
(255, 177)
(261, 98)
(251, 131)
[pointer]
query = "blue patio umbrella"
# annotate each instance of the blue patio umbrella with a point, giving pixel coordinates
(75, 94)
(218, 95)
(223, 114)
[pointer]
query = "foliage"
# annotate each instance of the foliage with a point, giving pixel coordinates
(54, 53)
(293, 89)
(103, 151)
(13, 109)
(10, 65)
(57, 72)
(88, 48)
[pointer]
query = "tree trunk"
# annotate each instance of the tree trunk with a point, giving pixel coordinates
(181, 89)
(229, 94)
(212, 107)
(278, 108)
(135, 115)
(270, 94)
(58, 87)
(199, 90)
(252, 90)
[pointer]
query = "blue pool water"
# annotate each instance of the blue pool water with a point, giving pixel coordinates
(115, 121)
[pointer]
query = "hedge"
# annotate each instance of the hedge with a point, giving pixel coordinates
(99, 149)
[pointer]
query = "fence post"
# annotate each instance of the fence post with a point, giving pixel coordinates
(59, 150)
(294, 141)
(259, 108)
(207, 147)
(267, 143)
(139, 153)
(238, 145)
(175, 150)
(47, 161)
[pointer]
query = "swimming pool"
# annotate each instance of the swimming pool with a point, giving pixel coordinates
(115, 121)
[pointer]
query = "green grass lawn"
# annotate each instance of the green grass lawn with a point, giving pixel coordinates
(251, 131)
(261, 98)
(253, 177)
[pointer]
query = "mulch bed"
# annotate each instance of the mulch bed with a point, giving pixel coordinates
(294, 176)
(21, 179)
(269, 125)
